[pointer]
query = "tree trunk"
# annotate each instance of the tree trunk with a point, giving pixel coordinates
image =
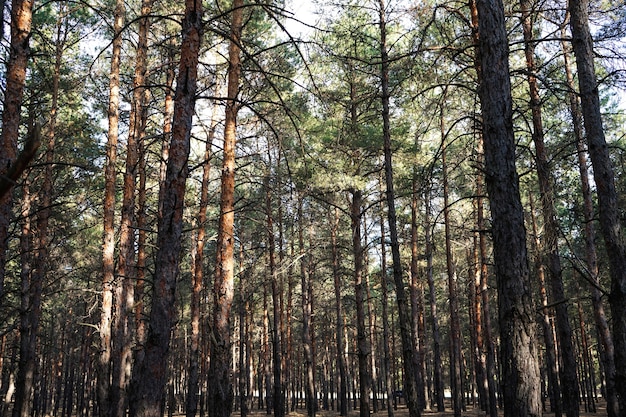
(408, 355)
(15, 76)
(453, 297)
(591, 257)
(567, 370)
(221, 390)
(605, 181)
(432, 299)
(384, 283)
(339, 320)
(520, 368)
(150, 377)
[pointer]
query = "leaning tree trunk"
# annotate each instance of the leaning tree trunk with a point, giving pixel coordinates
(520, 367)
(221, 387)
(604, 177)
(150, 377)
(567, 370)
(408, 354)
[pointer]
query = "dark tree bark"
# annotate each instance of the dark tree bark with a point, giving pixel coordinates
(520, 368)
(567, 370)
(339, 320)
(604, 177)
(15, 76)
(384, 283)
(591, 257)
(150, 376)
(408, 354)
(221, 389)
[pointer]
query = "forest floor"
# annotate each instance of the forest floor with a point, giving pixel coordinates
(402, 411)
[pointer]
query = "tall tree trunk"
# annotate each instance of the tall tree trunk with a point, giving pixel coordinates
(453, 297)
(15, 76)
(197, 272)
(339, 320)
(605, 182)
(221, 389)
(567, 364)
(408, 354)
(432, 299)
(554, 388)
(150, 374)
(384, 283)
(307, 342)
(519, 358)
(601, 322)
(363, 348)
(108, 247)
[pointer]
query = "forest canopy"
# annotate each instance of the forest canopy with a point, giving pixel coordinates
(219, 207)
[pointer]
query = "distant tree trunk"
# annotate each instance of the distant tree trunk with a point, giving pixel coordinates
(554, 388)
(608, 356)
(15, 76)
(221, 389)
(605, 181)
(432, 300)
(408, 355)
(150, 374)
(520, 368)
(384, 283)
(307, 342)
(567, 370)
(416, 307)
(339, 320)
(108, 247)
(363, 348)
(453, 297)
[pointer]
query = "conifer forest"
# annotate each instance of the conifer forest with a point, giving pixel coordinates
(224, 208)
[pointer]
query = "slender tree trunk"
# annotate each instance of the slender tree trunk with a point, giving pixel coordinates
(453, 297)
(150, 376)
(410, 389)
(197, 273)
(520, 368)
(608, 356)
(108, 247)
(363, 348)
(15, 76)
(307, 342)
(567, 371)
(339, 320)
(384, 283)
(432, 299)
(554, 388)
(605, 182)
(221, 390)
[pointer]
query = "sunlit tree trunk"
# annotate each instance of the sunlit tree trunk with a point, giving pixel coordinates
(519, 357)
(150, 374)
(108, 247)
(221, 389)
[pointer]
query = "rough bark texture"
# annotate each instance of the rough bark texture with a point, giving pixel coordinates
(520, 368)
(569, 380)
(589, 110)
(21, 20)
(339, 320)
(108, 246)
(147, 393)
(221, 387)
